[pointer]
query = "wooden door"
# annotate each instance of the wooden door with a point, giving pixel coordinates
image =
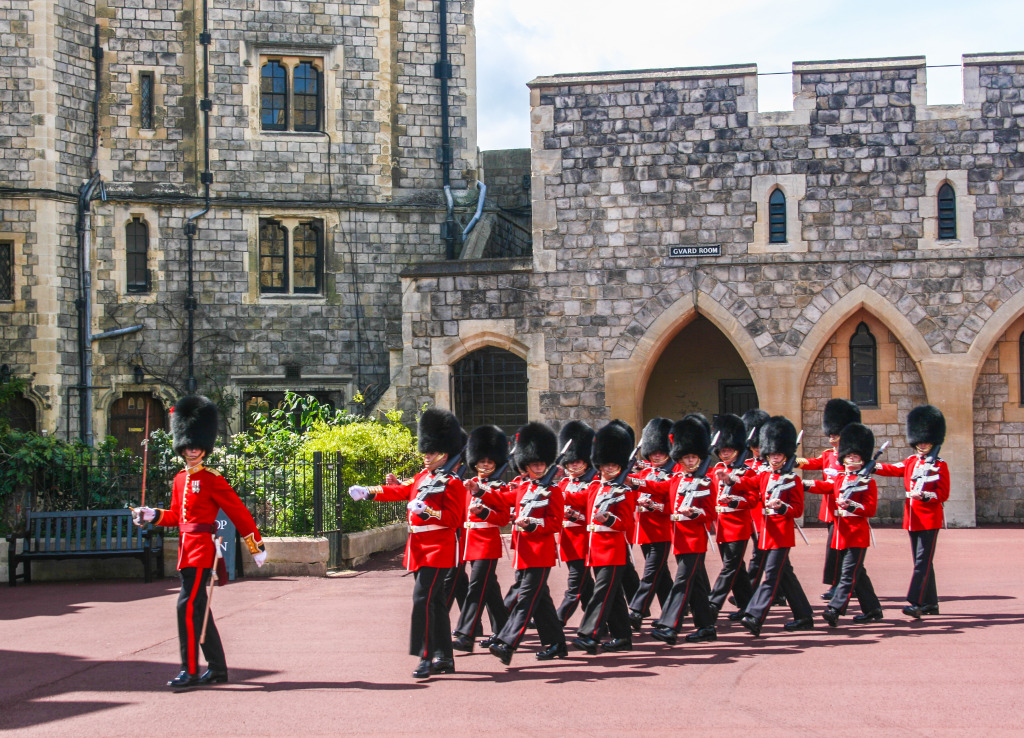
(128, 419)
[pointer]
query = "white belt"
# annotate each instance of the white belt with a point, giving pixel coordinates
(571, 524)
(847, 514)
(472, 524)
(601, 529)
(425, 528)
(725, 509)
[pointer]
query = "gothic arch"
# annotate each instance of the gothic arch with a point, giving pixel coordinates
(860, 297)
(468, 344)
(987, 337)
(637, 352)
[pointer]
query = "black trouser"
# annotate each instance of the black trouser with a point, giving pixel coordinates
(513, 591)
(455, 585)
(482, 591)
(630, 579)
(430, 636)
(833, 561)
(922, 592)
(577, 591)
(755, 569)
(733, 577)
(691, 587)
(607, 605)
(778, 573)
(854, 579)
(191, 611)
(533, 600)
(655, 580)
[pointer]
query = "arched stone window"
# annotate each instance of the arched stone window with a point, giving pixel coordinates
(274, 97)
(777, 216)
(947, 212)
(307, 97)
(137, 256)
(864, 367)
(489, 386)
(20, 413)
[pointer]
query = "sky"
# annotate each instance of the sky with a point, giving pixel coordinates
(518, 40)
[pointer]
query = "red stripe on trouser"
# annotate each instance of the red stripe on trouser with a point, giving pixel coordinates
(533, 603)
(778, 580)
(190, 626)
(426, 629)
(686, 598)
(927, 571)
(480, 604)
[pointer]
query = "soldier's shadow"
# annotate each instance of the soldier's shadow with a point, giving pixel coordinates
(52, 599)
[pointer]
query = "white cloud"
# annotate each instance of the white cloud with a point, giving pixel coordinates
(518, 40)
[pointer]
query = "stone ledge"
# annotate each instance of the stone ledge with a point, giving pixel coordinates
(859, 65)
(467, 267)
(356, 548)
(642, 75)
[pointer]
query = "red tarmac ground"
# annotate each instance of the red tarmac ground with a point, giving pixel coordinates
(329, 656)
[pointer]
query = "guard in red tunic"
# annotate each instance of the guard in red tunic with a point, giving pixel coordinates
(538, 517)
(197, 496)
(609, 507)
(838, 414)
(572, 541)
(733, 509)
(855, 500)
(691, 501)
(437, 508)
(781, 496)
(653, 530)
(926, 479)
(752, 422)
(487, 454)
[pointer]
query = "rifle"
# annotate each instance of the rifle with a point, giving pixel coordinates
(699, 477)
(738, 463)
(858, 483)
(786, 480)
(570, 512)
(540, 495)
(438, 484)
(922, 472)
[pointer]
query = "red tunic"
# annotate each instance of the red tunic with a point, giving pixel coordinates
(208, 492)
(920, 514)
(829, 466)
(432, 541)
(652, 526)
(608, 541)
(777, 528)
(690, 535)
(572, 541)
(734, 523)
(536, 548)
(852, 529)
(481, 537)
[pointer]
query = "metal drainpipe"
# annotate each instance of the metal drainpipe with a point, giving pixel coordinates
(191, 227)
(83, 231)
(443, 71)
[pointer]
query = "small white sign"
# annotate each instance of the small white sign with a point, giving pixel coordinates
(695, 250)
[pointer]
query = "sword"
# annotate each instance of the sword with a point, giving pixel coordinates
(209, 595)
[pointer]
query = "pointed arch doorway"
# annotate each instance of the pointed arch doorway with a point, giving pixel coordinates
(699, 371)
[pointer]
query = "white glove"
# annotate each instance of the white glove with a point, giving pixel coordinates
(358, 493)
(142, 515)
(259, 558)
(416, 506)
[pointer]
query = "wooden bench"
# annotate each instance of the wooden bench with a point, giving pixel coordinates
(85, 534)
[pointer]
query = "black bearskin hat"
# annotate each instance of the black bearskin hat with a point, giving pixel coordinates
(732, 432)
(778, 436)
(582, 437)
(839, 414)
(487, 442)
(535, 442)
(926, 424)
(626, 427)
(690, 436)
(858, 439)
(752, 422)
(654, 438)
(612, 445)
(439, 433)
(194, 423)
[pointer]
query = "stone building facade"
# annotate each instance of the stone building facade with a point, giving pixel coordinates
(671, 216)
(315, 128)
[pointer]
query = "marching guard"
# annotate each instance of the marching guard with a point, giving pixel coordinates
(752, 422)
(854, 501)
(197, 495)
(487, 454)
(572, 541)
(926, 480)
(437, 507)
(781, 496)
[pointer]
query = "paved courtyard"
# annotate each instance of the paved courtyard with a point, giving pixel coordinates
(328, 656)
